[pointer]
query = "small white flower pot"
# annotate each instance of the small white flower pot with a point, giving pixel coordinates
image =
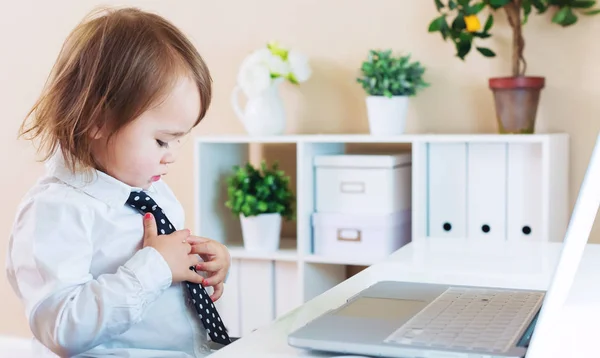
(261, 232)
(387, 116)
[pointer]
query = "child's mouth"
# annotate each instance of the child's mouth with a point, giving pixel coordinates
(155, 178)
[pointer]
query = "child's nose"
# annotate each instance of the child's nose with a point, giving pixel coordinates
(169, 158)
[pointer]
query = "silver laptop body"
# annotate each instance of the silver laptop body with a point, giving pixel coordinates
(404, 319)
(418, 320)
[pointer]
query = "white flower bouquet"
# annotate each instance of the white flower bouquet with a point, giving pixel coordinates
(269, 65)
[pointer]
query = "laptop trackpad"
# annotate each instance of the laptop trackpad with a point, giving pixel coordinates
(382, 308)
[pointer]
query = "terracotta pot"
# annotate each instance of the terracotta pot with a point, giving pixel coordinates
(516, 100)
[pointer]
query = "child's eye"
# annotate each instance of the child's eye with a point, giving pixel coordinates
(162, 144)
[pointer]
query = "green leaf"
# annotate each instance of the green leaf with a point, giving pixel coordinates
(475, 9)
(560, 15)
(459, 22)
(438, 4)
(592, 12)
(452, 4)
(488, 23)
(582, 4)
(262, 206)
(481, 35)
(463, 45)
(498, 3)
(564, 17)
(292, 78)
(437, 24)
(570, 19)
(486, 52)
(278, 50)
(540, 5)
(526, 4)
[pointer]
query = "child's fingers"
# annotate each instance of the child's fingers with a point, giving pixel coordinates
(149, 226)
(210, 266)
(205, 257)
(218, 292)
(181, 235)
(197, 239)
(192, 276)
(194, 261)
(204, 248)
(217, 278)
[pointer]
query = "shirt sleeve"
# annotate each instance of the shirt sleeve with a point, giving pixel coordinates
(68, 309)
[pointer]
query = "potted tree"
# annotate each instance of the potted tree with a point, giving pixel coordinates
(516, 97)
(389, 81)
(261, 198)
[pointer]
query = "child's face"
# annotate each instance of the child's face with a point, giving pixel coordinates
(141, 152)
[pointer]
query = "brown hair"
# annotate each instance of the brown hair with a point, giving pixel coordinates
(110, 70)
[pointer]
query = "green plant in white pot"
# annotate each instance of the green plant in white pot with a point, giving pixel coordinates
(261, 198)
(389, 81)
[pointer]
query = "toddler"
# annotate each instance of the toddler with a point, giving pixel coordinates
(98, 253)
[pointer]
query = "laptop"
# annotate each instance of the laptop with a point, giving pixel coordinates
(411, 319)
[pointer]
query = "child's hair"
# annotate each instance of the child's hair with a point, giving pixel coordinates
(111, 69)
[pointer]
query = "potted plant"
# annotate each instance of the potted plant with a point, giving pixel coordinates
(389, 81)
(516, 97)
(261, 198)
(259, 77)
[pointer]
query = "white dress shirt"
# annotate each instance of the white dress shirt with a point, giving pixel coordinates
(76, 261)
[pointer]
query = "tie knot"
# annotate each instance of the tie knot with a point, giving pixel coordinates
(141, 201)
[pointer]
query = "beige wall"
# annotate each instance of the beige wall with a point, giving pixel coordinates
(336, 34)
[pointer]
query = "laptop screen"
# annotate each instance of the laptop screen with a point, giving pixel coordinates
(578, 231)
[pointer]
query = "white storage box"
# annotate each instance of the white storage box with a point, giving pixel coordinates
(363, 184)
(360, 236)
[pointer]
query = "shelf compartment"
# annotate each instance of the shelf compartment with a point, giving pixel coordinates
(214, 162)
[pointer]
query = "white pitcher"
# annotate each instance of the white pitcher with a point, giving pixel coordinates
(264, 114)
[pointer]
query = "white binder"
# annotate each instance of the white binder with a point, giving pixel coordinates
(524, 206)
(447, 183)
(486, 191)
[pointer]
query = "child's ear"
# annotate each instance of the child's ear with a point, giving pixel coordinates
(97, 132)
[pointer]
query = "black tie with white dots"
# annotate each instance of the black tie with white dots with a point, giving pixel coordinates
(205, 308)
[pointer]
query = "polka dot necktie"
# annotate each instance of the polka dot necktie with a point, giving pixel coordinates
(205, 308)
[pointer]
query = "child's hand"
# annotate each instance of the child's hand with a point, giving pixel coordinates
(175, 249)
(216, 262)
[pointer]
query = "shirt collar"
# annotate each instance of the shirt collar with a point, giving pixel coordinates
(99, 185)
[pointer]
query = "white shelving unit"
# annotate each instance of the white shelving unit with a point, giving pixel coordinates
(527, 186)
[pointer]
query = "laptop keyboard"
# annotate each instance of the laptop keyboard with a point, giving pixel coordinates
(471, 318)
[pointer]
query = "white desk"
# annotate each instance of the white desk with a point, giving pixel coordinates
(501, 264)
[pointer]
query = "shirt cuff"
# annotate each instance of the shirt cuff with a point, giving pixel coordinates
(151, 270)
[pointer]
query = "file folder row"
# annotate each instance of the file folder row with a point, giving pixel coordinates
(484, 190)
